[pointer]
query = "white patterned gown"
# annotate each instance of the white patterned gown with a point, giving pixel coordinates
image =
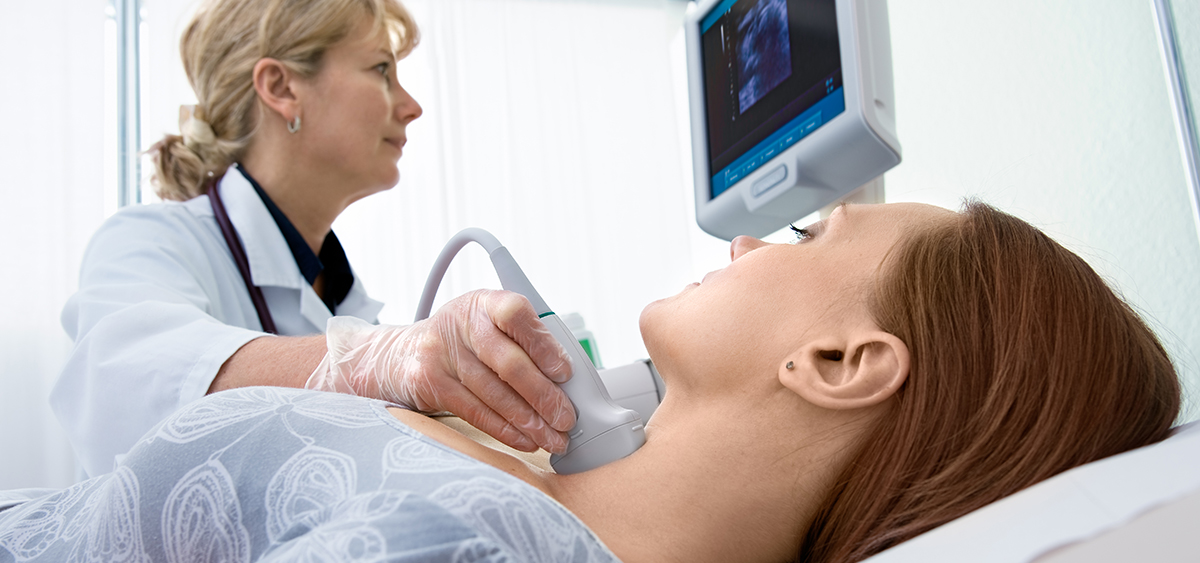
(270, 474)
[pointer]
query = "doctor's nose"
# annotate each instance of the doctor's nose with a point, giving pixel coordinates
(743, 244)
(407, 108)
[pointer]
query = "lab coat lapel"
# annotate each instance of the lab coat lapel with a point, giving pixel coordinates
(271, 261)
(313, 309)
(358, 304)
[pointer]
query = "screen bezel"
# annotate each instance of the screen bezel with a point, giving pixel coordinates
(855, 146)
(808, 98)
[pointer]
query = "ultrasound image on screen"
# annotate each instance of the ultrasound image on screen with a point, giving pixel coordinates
(765, 62)
(764, 51)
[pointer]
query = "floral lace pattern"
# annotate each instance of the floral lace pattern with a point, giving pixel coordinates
(266, 474)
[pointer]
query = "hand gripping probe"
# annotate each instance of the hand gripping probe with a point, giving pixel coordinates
(604, 432)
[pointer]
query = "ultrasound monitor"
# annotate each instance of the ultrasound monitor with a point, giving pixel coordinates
(791, 108)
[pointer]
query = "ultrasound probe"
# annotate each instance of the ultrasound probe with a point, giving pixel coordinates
(604, 432)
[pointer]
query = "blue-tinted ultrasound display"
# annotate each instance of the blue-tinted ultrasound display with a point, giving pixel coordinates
(772, 69)
(764, 52)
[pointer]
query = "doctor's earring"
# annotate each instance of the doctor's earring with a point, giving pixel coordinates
(294, 125)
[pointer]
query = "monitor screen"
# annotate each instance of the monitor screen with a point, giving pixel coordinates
(772, 75)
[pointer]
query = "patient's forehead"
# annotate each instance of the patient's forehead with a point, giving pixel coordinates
(881, 226)
(904, 212)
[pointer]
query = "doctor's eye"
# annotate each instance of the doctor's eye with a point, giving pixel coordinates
(802, 234)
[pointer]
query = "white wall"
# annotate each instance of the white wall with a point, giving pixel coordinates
(559, 125)
(51, 154)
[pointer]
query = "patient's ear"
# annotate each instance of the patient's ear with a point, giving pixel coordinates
(847, 373)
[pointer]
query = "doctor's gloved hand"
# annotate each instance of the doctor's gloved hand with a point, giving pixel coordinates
(484, 356)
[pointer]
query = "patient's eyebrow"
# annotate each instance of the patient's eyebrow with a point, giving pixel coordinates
(844, 207)
(818, 228)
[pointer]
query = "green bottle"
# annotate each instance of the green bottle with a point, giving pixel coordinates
(574, 322)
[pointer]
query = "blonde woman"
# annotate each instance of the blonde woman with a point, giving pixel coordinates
(300, 113)
(896, 368)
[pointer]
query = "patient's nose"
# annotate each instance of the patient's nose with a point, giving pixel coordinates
(743, 244)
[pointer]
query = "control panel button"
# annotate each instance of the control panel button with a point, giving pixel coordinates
(772, 179)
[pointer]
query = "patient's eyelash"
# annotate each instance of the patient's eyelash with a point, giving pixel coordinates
(802, 234)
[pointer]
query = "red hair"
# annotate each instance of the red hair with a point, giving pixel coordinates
(1024, 365)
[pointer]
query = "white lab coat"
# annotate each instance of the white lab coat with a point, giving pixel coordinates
(161, 306)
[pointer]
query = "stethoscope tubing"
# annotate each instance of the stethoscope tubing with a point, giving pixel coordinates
(239, 257)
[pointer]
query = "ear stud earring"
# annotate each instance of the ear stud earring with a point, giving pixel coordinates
(790, 365)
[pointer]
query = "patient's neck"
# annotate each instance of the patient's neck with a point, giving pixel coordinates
(714, 482)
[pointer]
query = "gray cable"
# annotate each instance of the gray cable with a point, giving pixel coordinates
(510, 274)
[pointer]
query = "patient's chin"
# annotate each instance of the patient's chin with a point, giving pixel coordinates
(646, 321)
(649, 322)
(654, 308)
(656, 332)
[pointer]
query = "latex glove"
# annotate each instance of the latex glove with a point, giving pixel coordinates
(484, 356)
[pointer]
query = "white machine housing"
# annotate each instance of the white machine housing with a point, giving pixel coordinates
(843, 153)
(636, 386)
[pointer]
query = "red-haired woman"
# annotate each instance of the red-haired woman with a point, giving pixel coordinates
(897, 367)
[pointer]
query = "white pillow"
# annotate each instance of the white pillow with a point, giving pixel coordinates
(1067, 508)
